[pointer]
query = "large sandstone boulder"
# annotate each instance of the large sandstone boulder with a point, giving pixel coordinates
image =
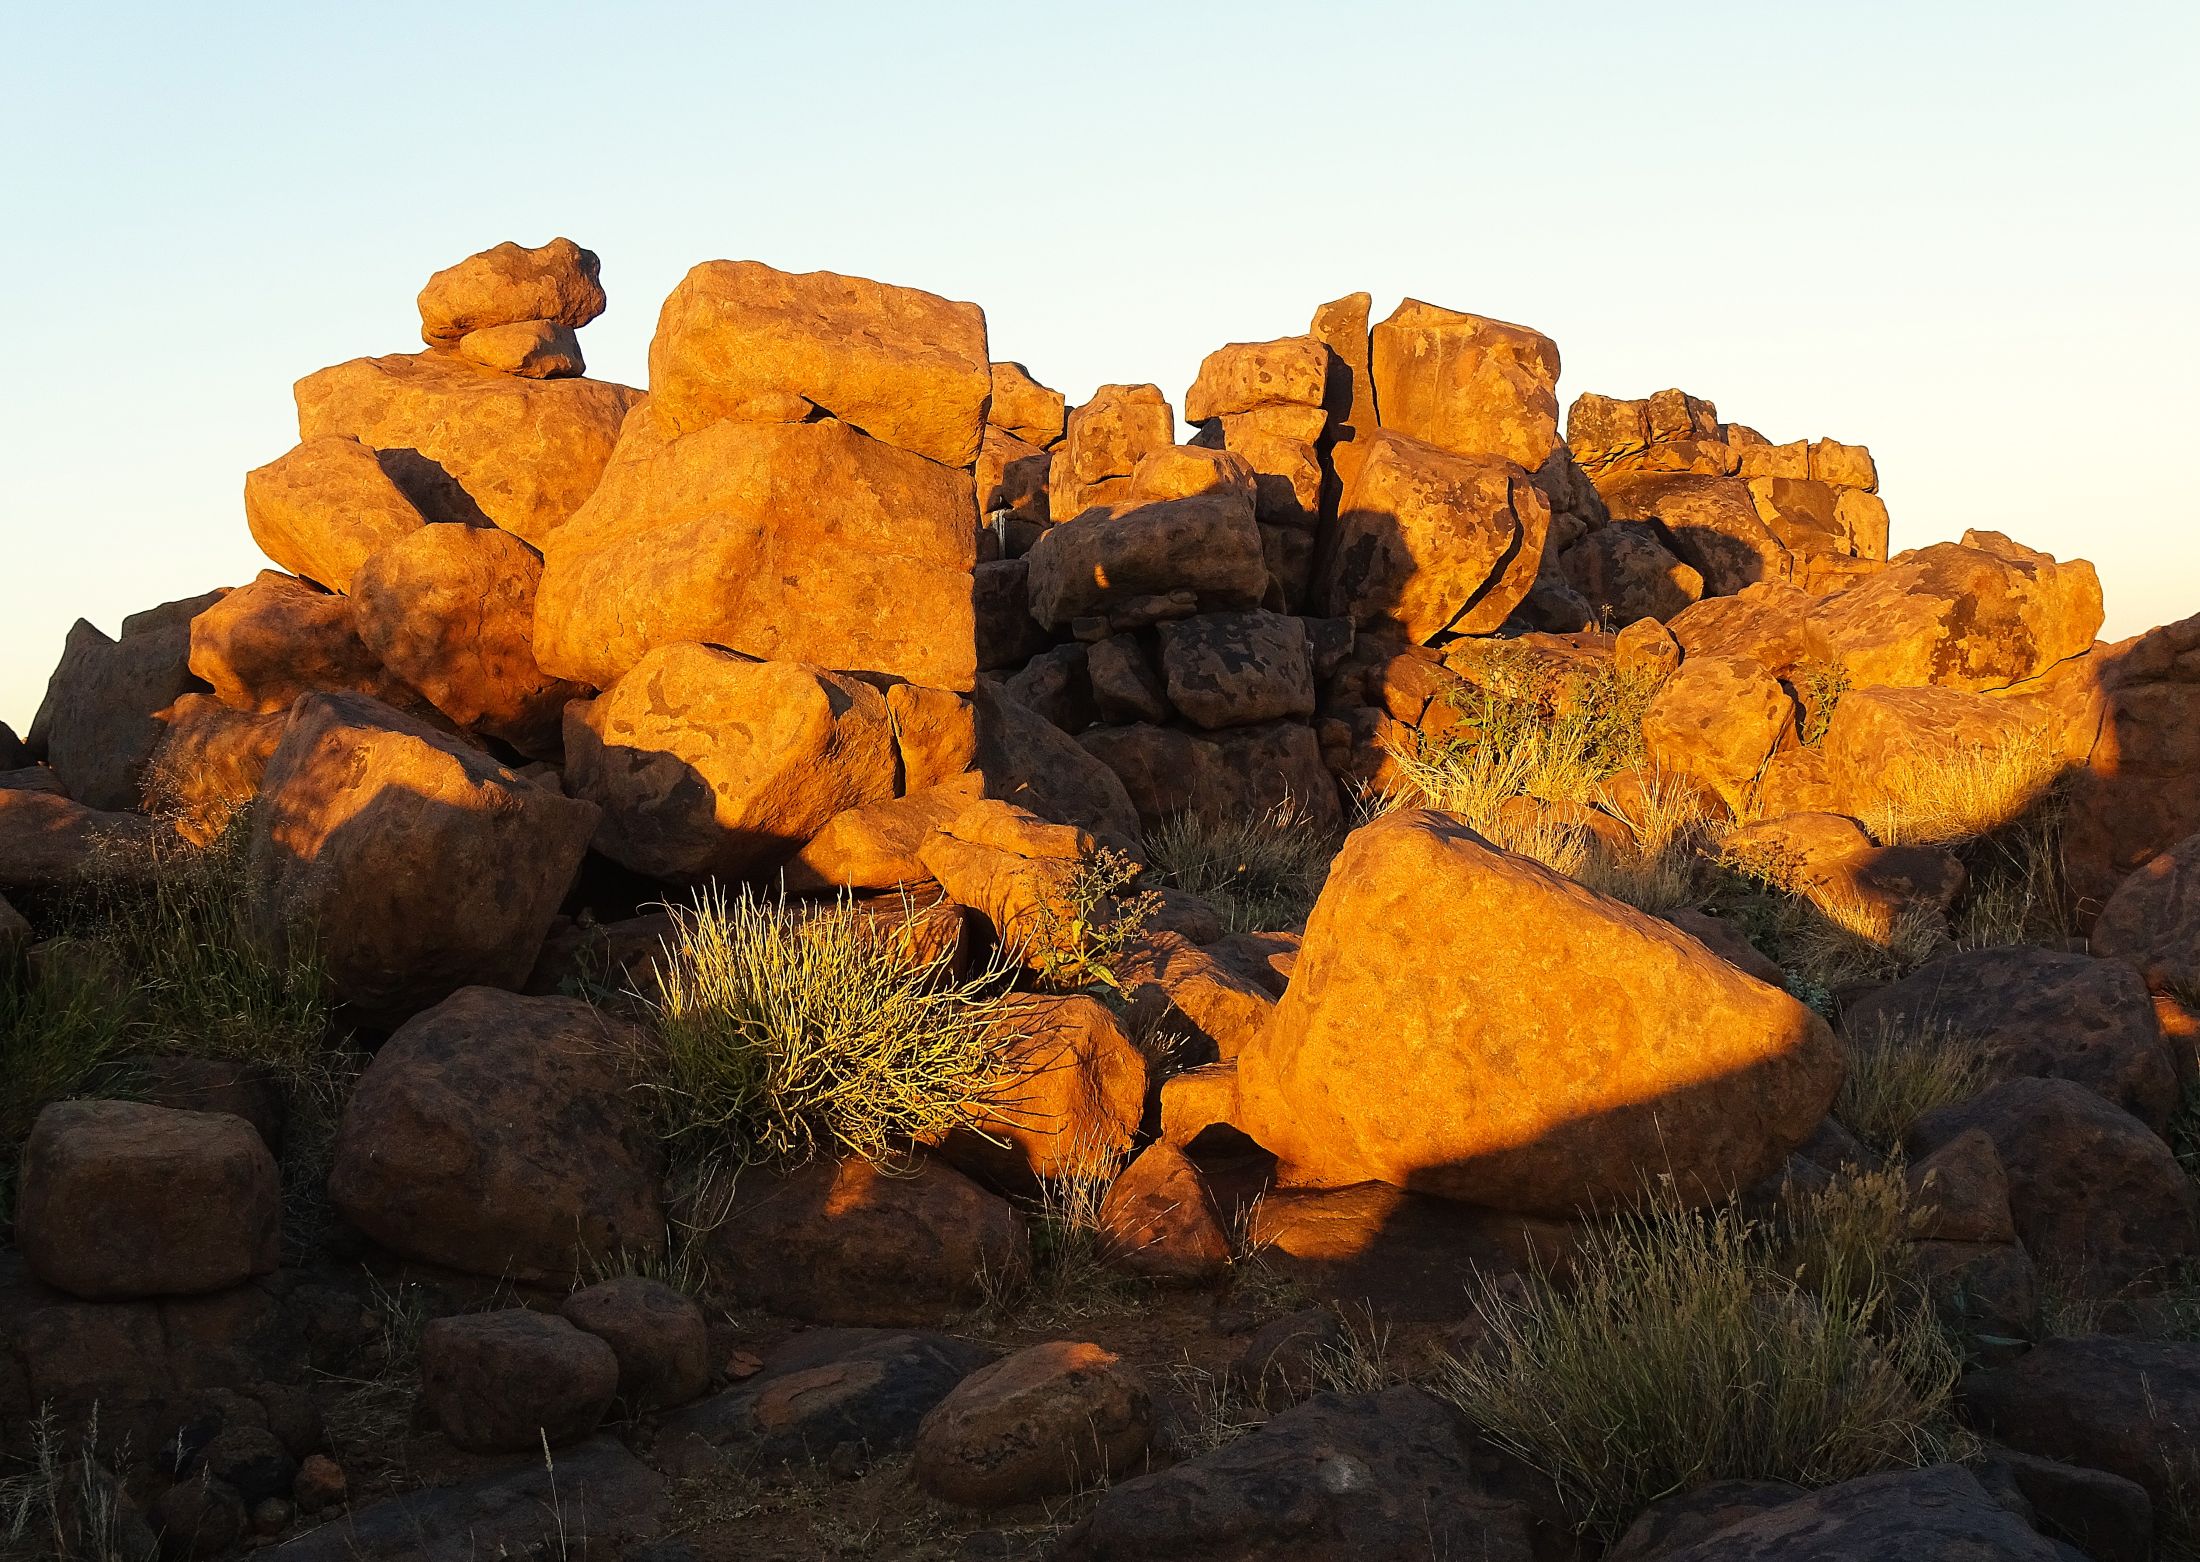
(1048, 1420)
(321, 509)
(1229, 773)
(558, 283)
(514, 1381)
(466, 443)
(1717, 720)
(494, 1134)
(1467, 384)
(740, 340)
(1072, 1092)
(1024, 408)
(2153, 920)
(210, 763)
(410, 864)
(2127, 1406)
(1104, 562)
(1762, 621)
(1292, 371)
(1881, 745)
(806, 542)
(1624, 574)
(1028, 761)
(47, 840)
(1980, 614)
(1429, 540)
(2138, 729)
(1564, 1045)
(1234, 669)
(451, 610)
(708, 764)
(121, 1199)
(104, 703)
(265, 644)
(1103, 443)
(1710, 522)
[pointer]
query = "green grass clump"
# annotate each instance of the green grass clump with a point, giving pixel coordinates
(783, 1031)
(1898, 1073)
(1261, 871)
(1686, 1347)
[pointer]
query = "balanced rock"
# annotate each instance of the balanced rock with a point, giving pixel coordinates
(322, 509)
(1568, 1041)
(706, 763)
(451, 610)
(1048, 1420)
(559, 283)
(1022, 407)
(493, 1134)
(805, 542)
(1291, 372)
(1467, 384)
(265, 644)
(512, 1381)
(120, 1199)
(410, 864)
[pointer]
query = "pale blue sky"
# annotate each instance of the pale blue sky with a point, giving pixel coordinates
(1962, 234)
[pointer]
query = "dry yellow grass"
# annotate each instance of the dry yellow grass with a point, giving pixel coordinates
(1943, 800)
(1896, 1074)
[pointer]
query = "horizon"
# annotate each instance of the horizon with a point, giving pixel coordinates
(1952, 247)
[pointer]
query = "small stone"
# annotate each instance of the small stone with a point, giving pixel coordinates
(320, 1484)
(503, 1382)
(1048, 1420)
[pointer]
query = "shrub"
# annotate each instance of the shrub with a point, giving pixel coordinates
(1898, 1073)
(1082, 930)
(1951, 798)
(784, 1030)
(1690, 1346)
(1262, 872)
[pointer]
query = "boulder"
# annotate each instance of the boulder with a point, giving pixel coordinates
(1172, 987)
(1023, 407)
(1624, 574)
(1158, 1221)
(849, 1242)
(102, 713)
(494, 1135)
(121, 1199)
(659, 1337)
(1710, 522)
(707, 764)
(878, 846)
(1673, 1522)
(558, 282)
(2152, 921)
(410, 864)
(1073, 1091)
(1567, 1043)
(1937, 1514)
(2100, 1202)
(1103, 443)
(465, 443)
(2038, 1014)
(1231, 773)
(451, 610)
(737, 338)
(2125, 1406)
(1358, 1478)
(1125, 686)
(1033, 764)
(1716, 721)
(801, 542)
(514, 1381)
(1878, 740)
(1467, 384)
(1763, 622)
(322, 509)
(1960, 1193)
(1102, 562)
(209, 764)
(47, 840)
(1348, 392)
(1053, 684)
(1049, 1420)
(1011, 475)
(1429, 540)
(1234, 669)
(1980, 614)
(2136, 734)
(1292, 371)
(531, 349)
(265, 644)
(1007, 634)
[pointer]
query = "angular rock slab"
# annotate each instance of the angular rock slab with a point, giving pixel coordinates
(321, 509)
(1466, 383)
(1465, 1022)
(558, 282)
(1938, 1514)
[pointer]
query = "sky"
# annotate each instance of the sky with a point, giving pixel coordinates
(1963, 234)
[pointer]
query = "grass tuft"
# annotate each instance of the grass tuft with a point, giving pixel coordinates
(1694, 1346)
(1262, 871)
(1898, 1073)
(1946, 799)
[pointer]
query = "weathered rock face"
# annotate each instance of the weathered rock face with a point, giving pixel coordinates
(415, 864)
(1764, 621)
(1023, 407)
(1710, 522)
(1011, 475)
(45, 839)
(1717, 720)
(738, 339)
(2153, 920)
(2042, 1014)
(493, 1134)
(265, 644)
(1074, 1090)
(531, 349)
(558, 283)
(1158, 1221)
(209, 763)
(1290, 372)
(320, 510)
(1624, 574)
(1427, 540)
(706, 763)
(104, 703)
(1104, 441)
(1939, 1514)
(466, 443)
(1230, 773)
(1337, 1479)
(2099, 1200)
(511, 1381)
(1234, 669)
(2126, 1406)
(1980, 614)
(1568, 1043)
(659, 1336)
(1048, 1420)
(2137, 793)
(1467, 384)
(1878, 740)
(792, 541)
(1103, 563)
(121, 1199)
(451, 610)
(845, 1242)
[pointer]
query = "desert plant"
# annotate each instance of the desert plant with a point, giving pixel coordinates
(1820, 686)
(61, 1035)
(1261, 871)
(1689, 1346)
(1215, 1409)
(371, 1408)
(1898, 1072)
(1069, 1277)
(1081, 932)
(783, 1030)
(65, 1506)
(1950, 797)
